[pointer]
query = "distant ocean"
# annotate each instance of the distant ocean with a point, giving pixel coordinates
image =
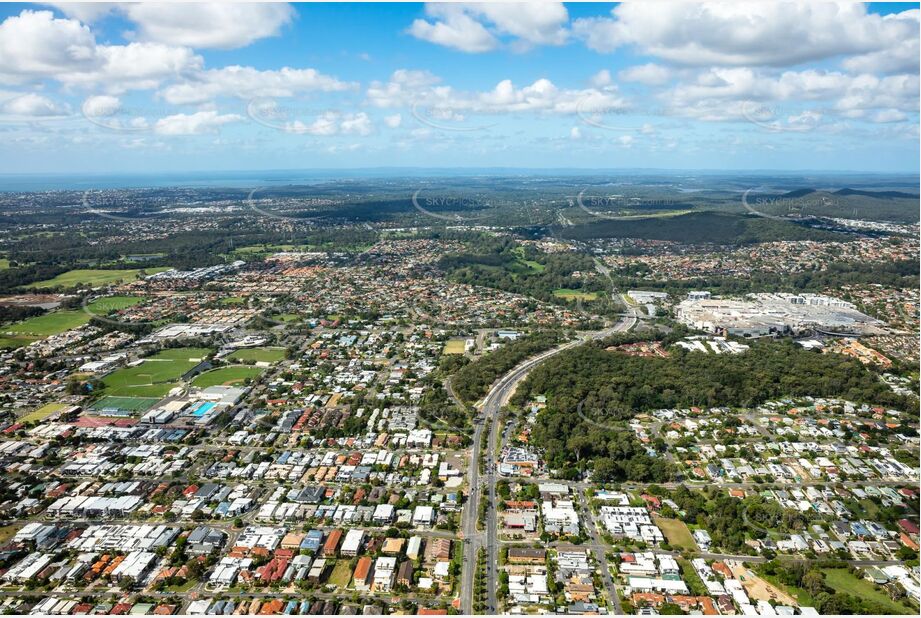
(247, 179)
(230, 179)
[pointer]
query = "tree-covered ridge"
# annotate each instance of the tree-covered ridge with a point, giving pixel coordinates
(617, 384)
(699, 227)
(592, 393)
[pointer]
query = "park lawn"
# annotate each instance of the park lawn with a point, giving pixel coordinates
(49, 324)
(535, 266)
(107, 304)
(454, 346)
(57, 322)
(192, 355)
(42, 413)
(156, 376)
(842, 580)
(677, 533)
(17, 341)
(233, 300)
(94, 277)
(259, 355)
(286, 317)
(269, 248)
(225, 376)
(528, 264)
(341, 575)
(4, 263)
(574, 294)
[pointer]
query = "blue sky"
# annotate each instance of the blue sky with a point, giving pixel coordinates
(149, 88)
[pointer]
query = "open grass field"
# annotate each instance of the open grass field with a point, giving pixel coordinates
(7, 532)
(341, 575)
(102, 306)
(259, 355)
(677, 533)
(93, 277)
(454, 346)
(193, 355)
(841, 580)
(574, 294)
(531, 265)
(226, 376)
(42, 413)
(156, 375)
(233, 300)
(16, 341)
(57, 322)
(4, 263)
(126, 404)
(250, 249)
(49, 323)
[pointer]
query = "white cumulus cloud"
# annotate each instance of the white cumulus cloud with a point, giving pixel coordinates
(208, 25)
(746, 33)
(33, 105)
(194, 124)
(248, 83)
(479, 27)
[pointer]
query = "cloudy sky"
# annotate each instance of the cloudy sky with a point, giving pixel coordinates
(166, 87)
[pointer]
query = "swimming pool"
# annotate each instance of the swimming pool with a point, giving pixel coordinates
(203, 408)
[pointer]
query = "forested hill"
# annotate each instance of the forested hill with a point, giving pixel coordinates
(593, 392)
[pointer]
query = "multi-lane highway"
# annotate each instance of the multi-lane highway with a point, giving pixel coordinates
(484, 487)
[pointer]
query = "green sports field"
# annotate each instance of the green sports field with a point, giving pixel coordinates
(156, 376)
(226, 376)
(49, 323)
(42, 413)
(258, 355)
(62, 320)
(574, 294)
(93, 277)
(454, 346)
(125, 404)
(102, 306)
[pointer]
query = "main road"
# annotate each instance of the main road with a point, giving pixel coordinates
(488, 420)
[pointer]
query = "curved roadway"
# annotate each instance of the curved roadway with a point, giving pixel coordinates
(497, 397)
